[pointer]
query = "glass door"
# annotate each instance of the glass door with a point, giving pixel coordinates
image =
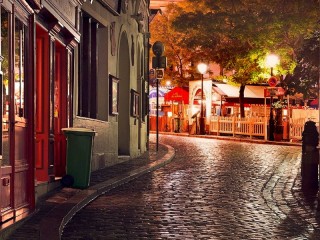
(14, 160)
(6, 167)
(19, 121)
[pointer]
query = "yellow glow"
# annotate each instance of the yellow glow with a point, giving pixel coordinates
(169, 114)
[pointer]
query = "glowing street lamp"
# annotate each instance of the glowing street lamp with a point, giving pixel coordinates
(271, 61)
(202, 68)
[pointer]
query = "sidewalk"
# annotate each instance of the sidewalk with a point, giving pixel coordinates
(57, 208)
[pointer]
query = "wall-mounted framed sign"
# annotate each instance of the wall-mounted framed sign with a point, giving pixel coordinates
(114, 95)
(135, 99)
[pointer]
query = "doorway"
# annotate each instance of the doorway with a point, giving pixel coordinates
(15, 156)
(51, 106)
(124, 101)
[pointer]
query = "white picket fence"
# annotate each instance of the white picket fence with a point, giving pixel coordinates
(296, 128)
(253, 127)
(237, 126)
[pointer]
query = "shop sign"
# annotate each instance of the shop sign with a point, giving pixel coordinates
(273, 91)
(160, 73)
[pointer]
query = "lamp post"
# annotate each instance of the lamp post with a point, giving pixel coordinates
(202, 68)
(271, 61)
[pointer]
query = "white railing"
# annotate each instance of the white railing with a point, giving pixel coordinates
(297, 126)
(253, 127)
(237, 126)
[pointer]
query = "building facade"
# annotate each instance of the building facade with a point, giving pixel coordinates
(71, 63)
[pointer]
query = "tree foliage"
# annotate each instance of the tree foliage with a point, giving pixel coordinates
(305, 78)
(237, 34)
(178, 56)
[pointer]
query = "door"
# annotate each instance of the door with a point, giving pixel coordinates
(42, 105)
(15, 170)
(51, 106)
(60, 109)
(17, 114)
(7, 210)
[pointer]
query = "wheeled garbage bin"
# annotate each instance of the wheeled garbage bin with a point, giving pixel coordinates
(79, 153)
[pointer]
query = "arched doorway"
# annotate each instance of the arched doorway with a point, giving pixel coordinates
(124, 97)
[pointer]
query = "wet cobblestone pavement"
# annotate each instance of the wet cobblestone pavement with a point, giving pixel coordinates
(55, 207)
(212, 190)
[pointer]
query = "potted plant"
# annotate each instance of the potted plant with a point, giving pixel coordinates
(278, 128)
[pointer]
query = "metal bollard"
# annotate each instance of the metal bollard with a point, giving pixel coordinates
(310, 156)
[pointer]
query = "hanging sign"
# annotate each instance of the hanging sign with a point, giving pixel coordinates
(272, 81)
(273, 91)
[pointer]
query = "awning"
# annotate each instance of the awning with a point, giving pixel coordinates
(219, 91)
(178, 94)
(250, 91)
(153, 93)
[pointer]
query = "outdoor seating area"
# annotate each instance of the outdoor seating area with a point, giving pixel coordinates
(179, 111)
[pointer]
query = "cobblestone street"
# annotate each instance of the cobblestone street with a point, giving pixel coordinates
(213, 189)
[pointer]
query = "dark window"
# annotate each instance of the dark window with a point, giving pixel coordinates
(88, 68)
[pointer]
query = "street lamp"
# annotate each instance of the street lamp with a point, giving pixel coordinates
(271, 61)
(202, 68)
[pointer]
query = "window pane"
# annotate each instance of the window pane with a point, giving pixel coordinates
(4, 146)
(19, 69)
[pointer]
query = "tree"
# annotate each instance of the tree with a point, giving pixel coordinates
(305, 78)
(239, 33)
(178, 56)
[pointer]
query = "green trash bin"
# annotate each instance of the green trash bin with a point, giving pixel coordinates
(79, 153)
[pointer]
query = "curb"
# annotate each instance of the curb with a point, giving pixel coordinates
(59, 216)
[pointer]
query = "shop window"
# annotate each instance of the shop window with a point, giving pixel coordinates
(12, 92)
(19, 70)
